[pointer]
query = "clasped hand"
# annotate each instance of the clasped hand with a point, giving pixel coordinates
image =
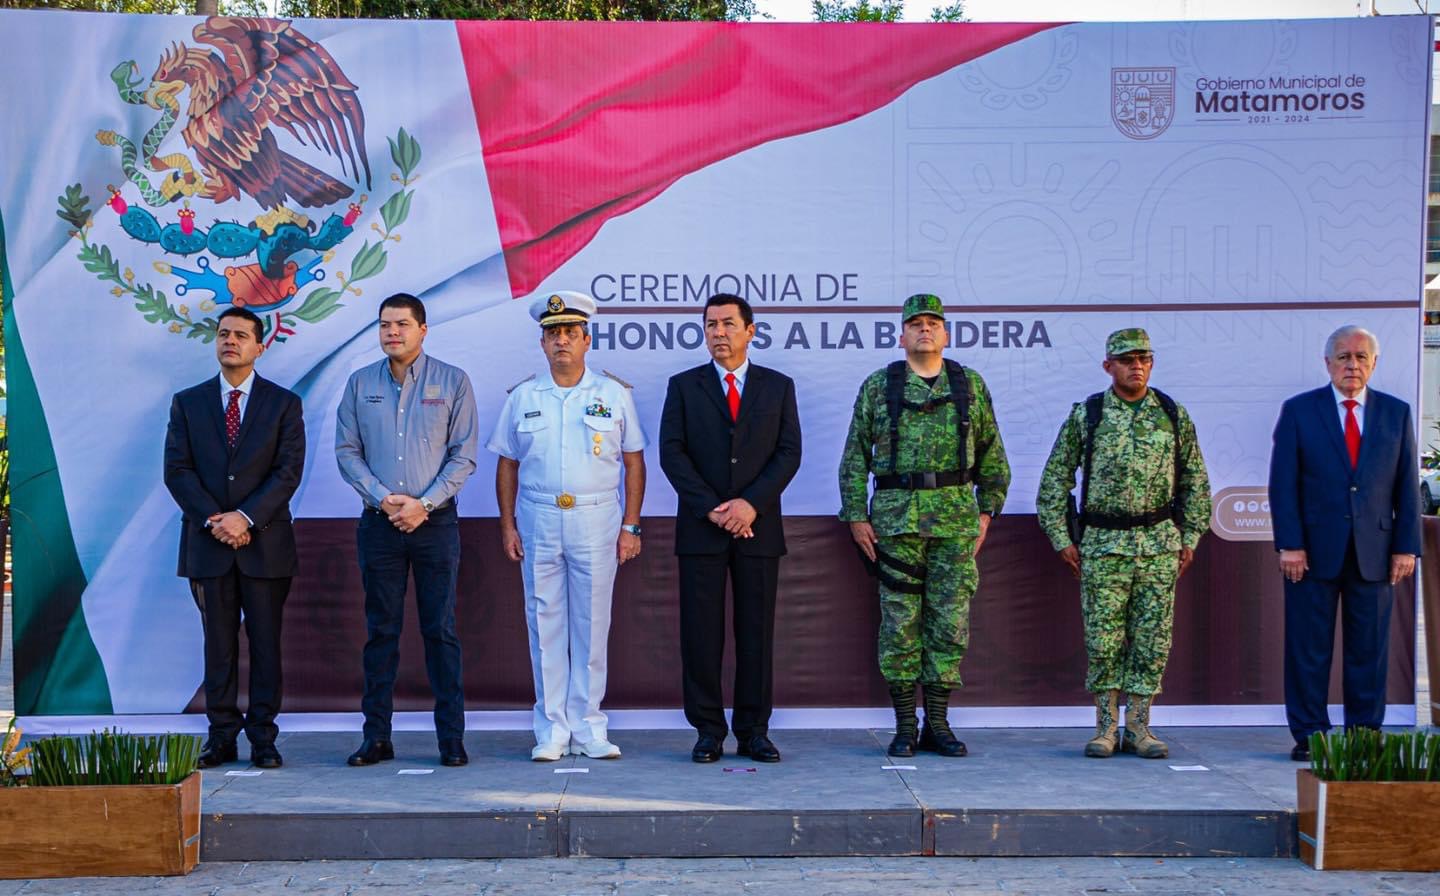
(405, 513)
(231, 529)
(734, 516)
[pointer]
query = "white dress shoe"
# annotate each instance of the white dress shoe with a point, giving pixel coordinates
(596, 749)
(547, 752)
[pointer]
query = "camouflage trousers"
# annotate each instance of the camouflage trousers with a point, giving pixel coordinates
(1128, 605)
(925, 591)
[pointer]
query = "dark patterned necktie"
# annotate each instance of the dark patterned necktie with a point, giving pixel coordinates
(232, 418)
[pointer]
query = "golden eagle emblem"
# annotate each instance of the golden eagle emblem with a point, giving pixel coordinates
(266, 74)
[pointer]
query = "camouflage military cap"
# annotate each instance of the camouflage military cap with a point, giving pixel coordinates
(922, 303)
(1123, 342)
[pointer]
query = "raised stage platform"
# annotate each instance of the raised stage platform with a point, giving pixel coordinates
(1021, 792)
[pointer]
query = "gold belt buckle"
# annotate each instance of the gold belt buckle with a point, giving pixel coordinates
(565, 501)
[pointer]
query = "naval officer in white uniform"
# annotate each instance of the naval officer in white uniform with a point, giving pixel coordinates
(563, 440)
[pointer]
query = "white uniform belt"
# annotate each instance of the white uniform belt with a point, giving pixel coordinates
(565, 500)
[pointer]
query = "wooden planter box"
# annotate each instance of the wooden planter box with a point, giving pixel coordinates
(144, 830)
(1368, 826)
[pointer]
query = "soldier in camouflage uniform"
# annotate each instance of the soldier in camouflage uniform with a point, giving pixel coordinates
(1145, 510)
(932, 505)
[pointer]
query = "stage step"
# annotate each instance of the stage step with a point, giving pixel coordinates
(1021, 792)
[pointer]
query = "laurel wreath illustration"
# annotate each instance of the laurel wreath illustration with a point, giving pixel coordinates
(200, 321)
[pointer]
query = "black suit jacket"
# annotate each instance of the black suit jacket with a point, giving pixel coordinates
(709, 459)
(258, 476)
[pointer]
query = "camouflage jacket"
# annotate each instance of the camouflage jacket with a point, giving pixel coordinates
(1133, 470)
(927, 444)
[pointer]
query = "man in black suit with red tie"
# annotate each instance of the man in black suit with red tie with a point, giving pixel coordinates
(234, 452)
(729, 444)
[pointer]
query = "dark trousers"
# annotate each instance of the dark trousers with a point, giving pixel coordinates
(702, 639)
(387, 557)
(222, 601)
(1309, 644)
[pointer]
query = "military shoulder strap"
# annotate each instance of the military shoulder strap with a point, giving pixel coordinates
(1095, 408)
(617, 379)
(960, 395)
(519, 384)
(895, 375)
(1173, 412)
(894, 397)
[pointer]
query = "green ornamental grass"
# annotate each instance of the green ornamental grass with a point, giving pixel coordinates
(1363, 754)
(113, 757)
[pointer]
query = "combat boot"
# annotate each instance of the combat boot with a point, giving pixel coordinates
(1139, 739)
(902, 697)
(936, 735)
(1107, 711)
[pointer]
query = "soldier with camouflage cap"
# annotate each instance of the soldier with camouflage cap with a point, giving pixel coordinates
(1145, 502)
(925, 428)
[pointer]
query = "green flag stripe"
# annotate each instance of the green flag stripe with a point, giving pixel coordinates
(57, 668)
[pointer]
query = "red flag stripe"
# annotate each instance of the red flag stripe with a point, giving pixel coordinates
(583, 121)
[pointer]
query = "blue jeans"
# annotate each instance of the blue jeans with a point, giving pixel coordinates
(387, 556)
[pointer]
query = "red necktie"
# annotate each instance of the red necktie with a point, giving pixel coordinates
(732, 396)
(1352, 432)
(232, 418)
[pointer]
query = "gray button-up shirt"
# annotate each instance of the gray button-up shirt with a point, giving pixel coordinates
(415, 438)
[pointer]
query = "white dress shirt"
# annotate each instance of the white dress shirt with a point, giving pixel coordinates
(1340, 400)
(740, 374)
(226, 389)
(568, 439)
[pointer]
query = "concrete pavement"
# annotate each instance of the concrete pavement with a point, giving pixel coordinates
(753, 877)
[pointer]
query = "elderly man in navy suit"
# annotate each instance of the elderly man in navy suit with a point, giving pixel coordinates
(1345, 500)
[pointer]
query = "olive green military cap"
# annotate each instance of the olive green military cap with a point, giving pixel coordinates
(922, 303)
(1123, 342)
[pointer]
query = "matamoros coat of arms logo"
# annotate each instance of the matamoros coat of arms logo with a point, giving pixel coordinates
(1142, 101)
(262, 76)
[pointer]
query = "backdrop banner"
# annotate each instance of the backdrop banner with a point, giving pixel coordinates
(1239, 189)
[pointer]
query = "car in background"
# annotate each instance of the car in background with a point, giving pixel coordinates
(1429, 490)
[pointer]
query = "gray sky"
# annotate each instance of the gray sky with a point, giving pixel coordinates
(1124, 10)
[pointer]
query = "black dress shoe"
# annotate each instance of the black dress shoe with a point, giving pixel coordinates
(759, 748)
(1301, 753)
(217, 752)
(708, 748)
(452, 752)
(265, 756)
(372, 751)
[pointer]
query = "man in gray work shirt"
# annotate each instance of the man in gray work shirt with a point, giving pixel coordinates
(405, 440)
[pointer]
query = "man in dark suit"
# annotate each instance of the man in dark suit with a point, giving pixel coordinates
(1345, 501)
(729, 444)
(234, 452)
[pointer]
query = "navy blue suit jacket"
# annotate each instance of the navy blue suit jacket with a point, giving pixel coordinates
(257, 476)
(1318, 504)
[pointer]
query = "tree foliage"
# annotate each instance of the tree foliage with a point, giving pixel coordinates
(573, 10)
(882, 11)
(154, 7)
(533, 10)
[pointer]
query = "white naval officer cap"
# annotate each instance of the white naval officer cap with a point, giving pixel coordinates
(564, 306)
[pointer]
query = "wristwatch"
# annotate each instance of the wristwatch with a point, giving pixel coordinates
(428, 505)
(632, 529)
